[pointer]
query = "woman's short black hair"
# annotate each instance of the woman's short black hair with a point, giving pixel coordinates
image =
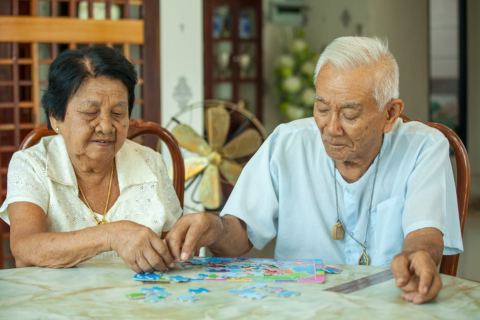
(72, 67)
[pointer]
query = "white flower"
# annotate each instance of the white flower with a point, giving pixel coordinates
(294, 112)
(298, 45)
(308, 68)
(286, 61)
(308, 96)
(292, 84)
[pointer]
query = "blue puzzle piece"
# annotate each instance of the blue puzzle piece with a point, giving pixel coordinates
(202, 275)
(241, 291)
(162, 294)
(146, 276)
(196, 261)
(254, 296)
(255, 286)
(179, 278)
(287, 294)
(274, 289)
(197, 291)
(153, 289)
(154, 298)
(186, 298)
(332, 270)
(217, 270)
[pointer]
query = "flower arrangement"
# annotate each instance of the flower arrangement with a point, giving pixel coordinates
(294, 73)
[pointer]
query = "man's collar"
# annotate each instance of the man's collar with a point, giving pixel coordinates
(132, 169)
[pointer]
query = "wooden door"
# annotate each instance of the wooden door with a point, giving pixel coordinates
(34, 32)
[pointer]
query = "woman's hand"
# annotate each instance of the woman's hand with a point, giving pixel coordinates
(139, 247)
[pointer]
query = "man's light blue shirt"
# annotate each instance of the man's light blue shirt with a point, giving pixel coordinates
(287, 191)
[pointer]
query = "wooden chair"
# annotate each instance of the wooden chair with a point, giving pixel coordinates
(136, 129)
(449, 263)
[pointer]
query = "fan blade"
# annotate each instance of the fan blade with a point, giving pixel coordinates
(244, 144)
(194, 166)
(210, 193)
(218, 123)
(190, 140)
(231, 171)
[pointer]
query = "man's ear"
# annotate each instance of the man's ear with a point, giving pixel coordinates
(392, 111)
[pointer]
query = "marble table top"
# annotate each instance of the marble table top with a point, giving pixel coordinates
(97, 289)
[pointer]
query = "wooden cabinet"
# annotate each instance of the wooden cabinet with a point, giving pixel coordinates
(233, 52)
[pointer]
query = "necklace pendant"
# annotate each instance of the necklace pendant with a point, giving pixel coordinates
(364, 260)
(103, 222)
(338, 231)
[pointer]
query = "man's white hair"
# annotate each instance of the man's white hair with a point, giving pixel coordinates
(347, 53)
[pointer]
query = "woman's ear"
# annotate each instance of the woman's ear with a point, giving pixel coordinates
(392, 110)
(55, 124)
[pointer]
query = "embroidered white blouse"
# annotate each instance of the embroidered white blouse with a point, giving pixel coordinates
(44, 175)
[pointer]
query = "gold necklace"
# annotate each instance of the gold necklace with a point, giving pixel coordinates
(108, 199)
(339, 229)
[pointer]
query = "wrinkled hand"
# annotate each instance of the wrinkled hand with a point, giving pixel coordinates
(191, 232)
(139, 247)
(417, 275)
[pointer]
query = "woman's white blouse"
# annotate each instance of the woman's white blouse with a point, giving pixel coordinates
(44, 175)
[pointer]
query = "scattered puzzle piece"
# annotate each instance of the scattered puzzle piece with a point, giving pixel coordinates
(241, 291)
(179, 278)
(332, 270)
(151, 290)
(287, 294)
(135, 296)
(197, 291)
(255, 286)
(253, 296)
(186, 298)
(163, 294)
(154, 298)
(147, 277)
(274, 289)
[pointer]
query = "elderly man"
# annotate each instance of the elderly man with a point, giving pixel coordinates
(352, 185)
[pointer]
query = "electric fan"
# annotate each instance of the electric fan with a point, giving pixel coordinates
(231, 135)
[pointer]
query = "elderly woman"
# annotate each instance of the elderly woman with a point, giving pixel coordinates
(88, 191)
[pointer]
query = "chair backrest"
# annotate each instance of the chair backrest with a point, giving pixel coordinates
(449, 263)
(135, 129)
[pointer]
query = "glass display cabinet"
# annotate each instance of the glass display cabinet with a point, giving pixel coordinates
(233, 52)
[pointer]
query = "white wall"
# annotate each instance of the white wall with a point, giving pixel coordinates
(181, 65)
(403, 22)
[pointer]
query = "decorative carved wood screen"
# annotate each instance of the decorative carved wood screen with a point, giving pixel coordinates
(34, 32)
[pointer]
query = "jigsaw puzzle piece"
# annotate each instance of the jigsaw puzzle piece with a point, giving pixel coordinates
(287, 294)
(253, 296)
(179, 278)
(186, 298)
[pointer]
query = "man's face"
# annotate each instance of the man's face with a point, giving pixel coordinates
(347, 114)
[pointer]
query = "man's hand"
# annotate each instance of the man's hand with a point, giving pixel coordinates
(139, 247)
(415, 268)
(417, 275)
(191, 232)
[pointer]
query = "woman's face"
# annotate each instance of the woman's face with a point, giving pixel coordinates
(96, 121)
